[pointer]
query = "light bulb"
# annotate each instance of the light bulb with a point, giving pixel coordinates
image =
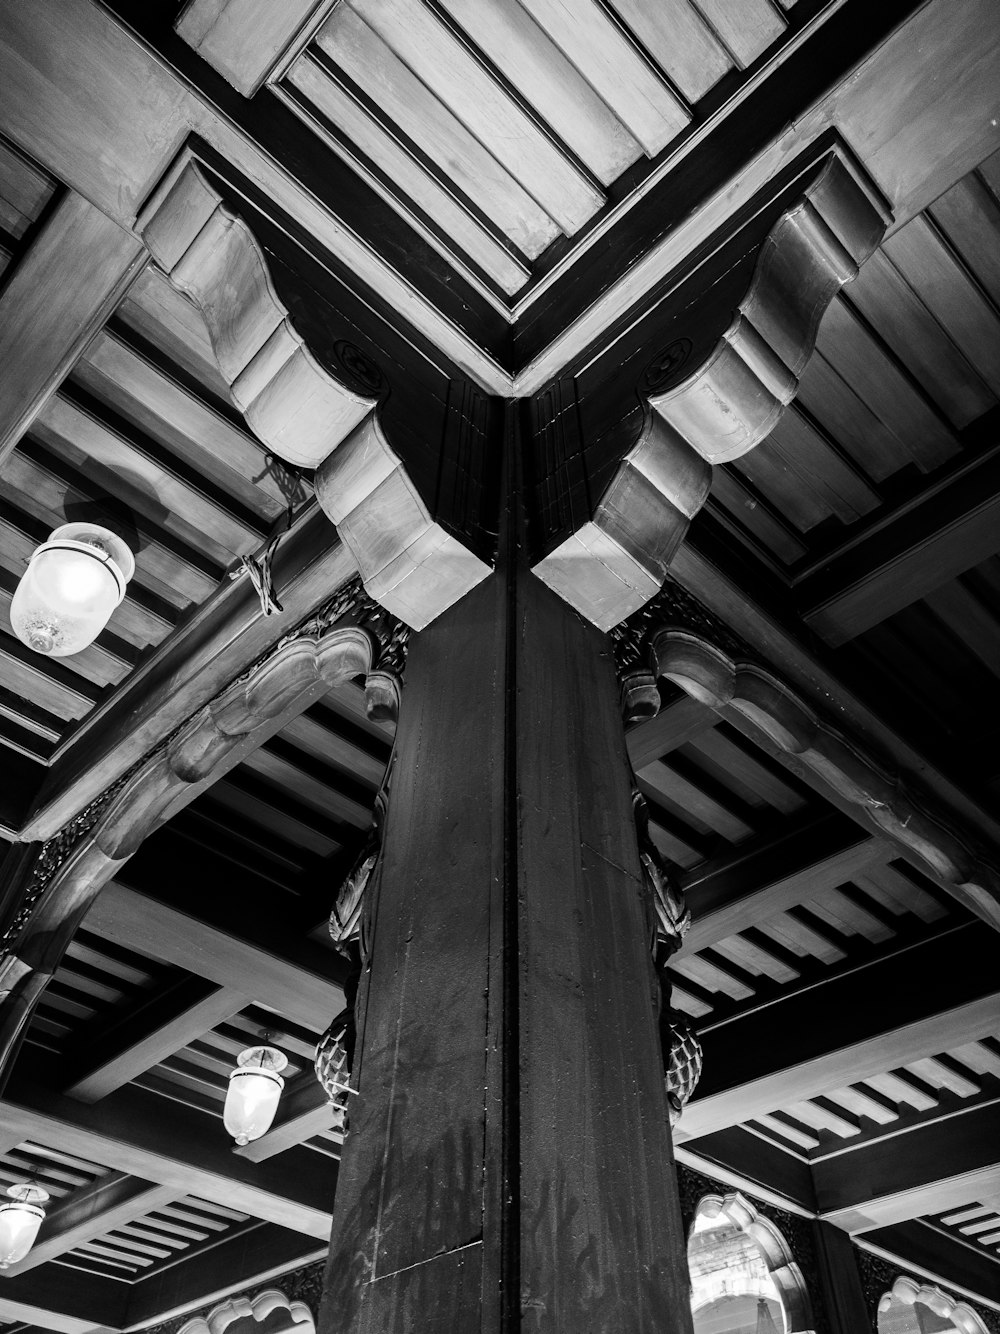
(73, 583)
(20, 1219)
(254, 1090)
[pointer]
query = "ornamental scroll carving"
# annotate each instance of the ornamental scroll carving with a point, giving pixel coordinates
(70, 870)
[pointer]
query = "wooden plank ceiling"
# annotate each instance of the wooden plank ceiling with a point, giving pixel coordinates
(849, 1008)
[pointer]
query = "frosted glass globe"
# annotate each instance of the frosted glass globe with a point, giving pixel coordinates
(20, 1219)
(73, 583)
(254, 1090)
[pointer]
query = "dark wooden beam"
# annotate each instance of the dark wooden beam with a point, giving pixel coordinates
(92, 1211)
(159, 1140)
(844, 1300)
(859, 1023)
(752, 1163)
(925, 1170)
(908, 554)
(251, 1260)
(64, 1299)
(147, 1036)
(292, 976)
(760, 878)
(956, 1265)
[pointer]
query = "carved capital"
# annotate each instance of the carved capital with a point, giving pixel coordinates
(735, 333)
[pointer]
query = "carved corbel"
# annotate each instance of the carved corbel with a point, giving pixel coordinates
(70, 870)
(735, 333)
(264, 1306)
(722, 677)
(327, 415)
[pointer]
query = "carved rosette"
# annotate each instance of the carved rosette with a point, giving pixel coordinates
(348, 637)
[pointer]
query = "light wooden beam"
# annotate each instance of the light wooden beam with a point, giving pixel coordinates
(169, 1022)
(304, 1111)
(910, 554)
(277, 969)
(855, 1025)
(147, 1136)
(91, 1212)
(756, 880)
(72, 278)
(245, 42)
(926, 1170)
(675, 725)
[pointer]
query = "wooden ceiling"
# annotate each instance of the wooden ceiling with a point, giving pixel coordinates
(492, 157)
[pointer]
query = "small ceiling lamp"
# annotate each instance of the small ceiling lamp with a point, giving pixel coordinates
(254, 1089)
(20, 1218)
(73, 583)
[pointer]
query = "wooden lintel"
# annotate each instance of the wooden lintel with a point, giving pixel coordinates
(741, 1158)
(63, 1299)
(72, 278)
(178, 1147)
(920, 1248)
(947, 531)
(151, 1034)
(885, 1013)
(928, 1169)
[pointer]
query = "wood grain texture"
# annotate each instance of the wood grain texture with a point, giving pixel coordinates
(244, 42)
(71, 279)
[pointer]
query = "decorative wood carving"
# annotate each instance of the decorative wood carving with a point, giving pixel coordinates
(720, 383)
(296, 406)
(679, 1044)
(781, 1264)
(259, 1308)
(409, 563)
(311, 415)
(72, 867)
(723, 679)
(909, 1292)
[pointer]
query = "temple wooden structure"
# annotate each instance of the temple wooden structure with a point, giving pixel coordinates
(559, 444)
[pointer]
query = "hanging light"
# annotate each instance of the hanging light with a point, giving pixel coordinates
(73, 583)
(20, 1219)
(254, 1089)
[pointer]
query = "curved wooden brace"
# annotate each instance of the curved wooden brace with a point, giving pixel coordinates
(710, 675)
(296, 406)
(909, 1291)
(151, 793)
(743, 379)
(781, 1265)
(258, 1309)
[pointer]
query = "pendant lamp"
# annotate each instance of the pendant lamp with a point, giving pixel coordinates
(20, 1218)
(254, 1089)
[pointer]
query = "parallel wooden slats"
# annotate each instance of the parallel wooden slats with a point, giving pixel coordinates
(549, 82)
(477, 104)
(747, 774)
(968, 215)
(898, 1089)
(862, 1104)
(321, 794)
(919, 253)
(747, 27)
(273, 819)
(969, 620)
(801, 938)
(939, 1075)
(679, 40)
(165, 318)
(752, 512)
(612, 66)
(703, 810)
(189, 427)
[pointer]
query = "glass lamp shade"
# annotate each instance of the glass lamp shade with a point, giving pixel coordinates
(254, 1089)
(73, 583)
(20, 1218)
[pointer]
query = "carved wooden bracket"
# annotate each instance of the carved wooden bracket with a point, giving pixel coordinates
(261, 1307)
(74, 866)
(305, 412)
(738, 331)
(721, 680)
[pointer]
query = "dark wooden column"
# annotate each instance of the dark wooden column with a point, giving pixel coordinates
(509, 1164)
(840, 1280)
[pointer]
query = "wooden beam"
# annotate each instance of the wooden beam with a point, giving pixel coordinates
(67, 1300)
(738, 1156)
(276, 968)
(72, 278)
(247, 1261)
(675, 725)
(926, 1170)
(222, 639)
(157, 1139)
(909, 554)
(920, 1247)
(244, 43)
(756, 880)
(91, 1212)
(880, 1015)
(304, 1111)
(146, 1037)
